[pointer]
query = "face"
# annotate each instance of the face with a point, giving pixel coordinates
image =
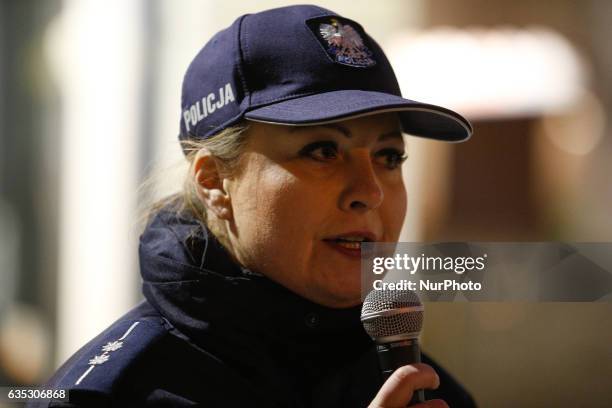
(304, 198)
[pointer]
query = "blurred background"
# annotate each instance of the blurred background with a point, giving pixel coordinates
(89, 109)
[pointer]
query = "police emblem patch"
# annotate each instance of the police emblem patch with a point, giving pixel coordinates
(344, 44)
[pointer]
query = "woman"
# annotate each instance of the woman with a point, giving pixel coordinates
(292, 122)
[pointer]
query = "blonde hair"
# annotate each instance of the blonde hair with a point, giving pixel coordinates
(226, 147)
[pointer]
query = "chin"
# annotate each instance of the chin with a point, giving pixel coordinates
(338, 292)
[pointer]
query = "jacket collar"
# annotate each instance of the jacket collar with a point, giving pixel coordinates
(244, 318)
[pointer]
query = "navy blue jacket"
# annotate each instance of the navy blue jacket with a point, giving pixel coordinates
(212, 334)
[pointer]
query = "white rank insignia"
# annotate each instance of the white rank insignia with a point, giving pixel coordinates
(345, 44)
(107, 349)
(97, 360)
(112, 346)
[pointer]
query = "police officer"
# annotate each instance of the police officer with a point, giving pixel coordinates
(292, 123)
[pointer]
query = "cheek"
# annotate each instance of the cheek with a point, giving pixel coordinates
(273, 214)
(393, 210)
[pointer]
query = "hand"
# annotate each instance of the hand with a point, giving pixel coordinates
(397, 391)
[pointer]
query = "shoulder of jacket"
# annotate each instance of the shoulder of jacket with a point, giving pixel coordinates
(99, 365)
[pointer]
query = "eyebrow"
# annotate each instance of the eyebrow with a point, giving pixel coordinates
(394, 134)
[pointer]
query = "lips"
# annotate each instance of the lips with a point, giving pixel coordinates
(350, 242)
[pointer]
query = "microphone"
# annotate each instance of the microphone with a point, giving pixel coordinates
(393, 319)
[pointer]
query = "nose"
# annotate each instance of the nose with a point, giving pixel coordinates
(363, 191)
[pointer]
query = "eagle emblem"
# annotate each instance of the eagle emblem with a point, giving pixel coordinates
(345, 44)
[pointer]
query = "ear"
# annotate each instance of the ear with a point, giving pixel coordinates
(210, 186)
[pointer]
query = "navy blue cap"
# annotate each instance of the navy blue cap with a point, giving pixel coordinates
(300, 65)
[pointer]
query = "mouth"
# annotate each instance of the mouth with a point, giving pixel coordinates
(350, 243)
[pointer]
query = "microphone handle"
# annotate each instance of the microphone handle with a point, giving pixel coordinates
(393, 355)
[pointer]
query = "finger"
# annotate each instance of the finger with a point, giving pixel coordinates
(437, 403)
(398, 389)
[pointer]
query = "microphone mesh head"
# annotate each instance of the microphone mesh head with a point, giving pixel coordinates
(391, 324)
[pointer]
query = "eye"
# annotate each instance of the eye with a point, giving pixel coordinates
(321, 151)
(392, 158)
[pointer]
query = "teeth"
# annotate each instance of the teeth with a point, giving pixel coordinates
(350, 245)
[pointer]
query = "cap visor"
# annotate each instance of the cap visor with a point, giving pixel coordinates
(418, 119)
